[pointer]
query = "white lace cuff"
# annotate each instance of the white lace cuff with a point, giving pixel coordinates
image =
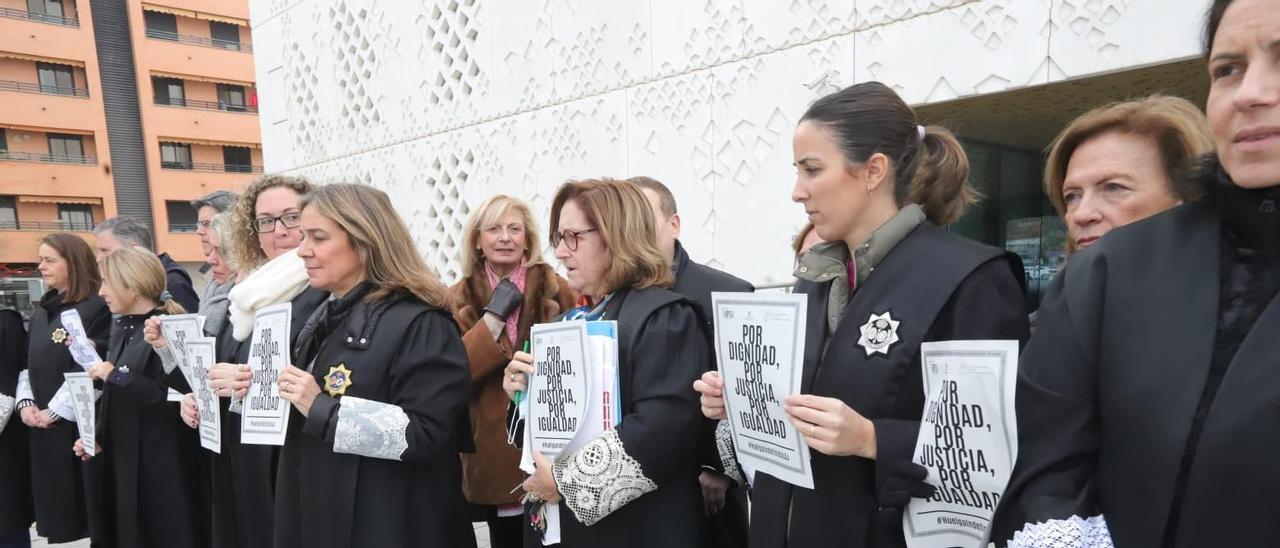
(167, 358)
(24, 387)
(7, 404)
(600, 478)
(1073, 532)
(370, 429)
(728, 458)
(62, 405)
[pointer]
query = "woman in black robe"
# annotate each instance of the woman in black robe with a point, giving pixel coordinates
(1147, 399)
(15, 476)
(885, 279)
(635, 484)
(148, 457)
(378, 388)
(57, 476)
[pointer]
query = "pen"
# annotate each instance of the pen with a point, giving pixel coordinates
(520, 393)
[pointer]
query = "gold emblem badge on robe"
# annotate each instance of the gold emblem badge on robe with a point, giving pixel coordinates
(59, 336)
(338, 379)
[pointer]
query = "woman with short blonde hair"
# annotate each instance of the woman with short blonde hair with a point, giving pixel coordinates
(643, 471)
(1123, 162)
(505, 290)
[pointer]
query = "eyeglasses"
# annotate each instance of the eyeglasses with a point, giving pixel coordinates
(292, 219)
(570, 237)
(204, 224)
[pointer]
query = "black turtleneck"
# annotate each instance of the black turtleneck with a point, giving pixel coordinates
(1249, 277)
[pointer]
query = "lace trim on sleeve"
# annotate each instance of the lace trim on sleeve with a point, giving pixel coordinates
(1073, 532)
(370, 429)
(600, 478)
(728, 457)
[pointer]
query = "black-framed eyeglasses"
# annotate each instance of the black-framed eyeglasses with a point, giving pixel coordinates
(570, 237)
(292, 219)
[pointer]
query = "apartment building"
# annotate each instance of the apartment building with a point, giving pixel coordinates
(170, 117)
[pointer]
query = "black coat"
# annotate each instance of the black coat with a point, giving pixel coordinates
(728, 527)
(178, 282)
(57, 475)
(662, 349)
(16, 514)
(378, 465)
(939, 287)
(149, 457)
(1128, 364)
(244, 475)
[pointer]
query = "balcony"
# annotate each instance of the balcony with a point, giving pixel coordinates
(11, 13)
(207, 105)
(26, 87)
(212, 168)
(48, 158)
(47, 226)
(199, 41)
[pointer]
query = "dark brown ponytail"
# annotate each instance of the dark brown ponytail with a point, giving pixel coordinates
(930, 169)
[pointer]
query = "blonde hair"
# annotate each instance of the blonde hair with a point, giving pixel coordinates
(624, 218)
(220, 228)
(489, 214)
(381, 239)
(246, 253)
(138, 269)
(1177, 127)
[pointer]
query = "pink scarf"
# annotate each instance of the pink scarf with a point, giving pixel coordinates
(517, 277)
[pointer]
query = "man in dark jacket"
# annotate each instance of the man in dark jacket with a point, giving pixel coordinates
(724, 500)
(125, 231)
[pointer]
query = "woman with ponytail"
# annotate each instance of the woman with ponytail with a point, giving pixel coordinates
(149, 458)
(879, 190)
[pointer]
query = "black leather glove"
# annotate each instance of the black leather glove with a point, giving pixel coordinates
(901, 481)
(505, 300)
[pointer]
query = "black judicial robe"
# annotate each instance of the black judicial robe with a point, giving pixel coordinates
(15, 476)
(1108, 391)
(57, 475)
(662, 349)
(149, 460)
(244, 476)
(377, 464)
(939, 287)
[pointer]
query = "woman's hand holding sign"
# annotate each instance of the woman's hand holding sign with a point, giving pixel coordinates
(542, 485)
(230, 379)
(299, 388)
(711, 388)
(516, 376)
(829, 426)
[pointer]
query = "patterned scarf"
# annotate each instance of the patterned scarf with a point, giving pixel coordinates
(214, 305)
(517, 277)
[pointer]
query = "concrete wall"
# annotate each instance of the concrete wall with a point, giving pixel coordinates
(445, 102)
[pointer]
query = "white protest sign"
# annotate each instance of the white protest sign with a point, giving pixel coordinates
(265, 415)
(760, 350)
(80, 387)
(199, 358)
(557, 391)
(177, 330)
(81, 347)
(968, 440)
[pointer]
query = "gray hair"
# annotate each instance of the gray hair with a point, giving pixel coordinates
(220, 200)
(127, 229)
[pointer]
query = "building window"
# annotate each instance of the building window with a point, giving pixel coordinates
(8, 213)
(237, 159)
(169, 91)
(66, 148)
(77, 217)
(225, 35)
(4, 141)
(45, 7)
(175, 156)
(231, 97)
(56, 78)
(182, 217)
(161, 25)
